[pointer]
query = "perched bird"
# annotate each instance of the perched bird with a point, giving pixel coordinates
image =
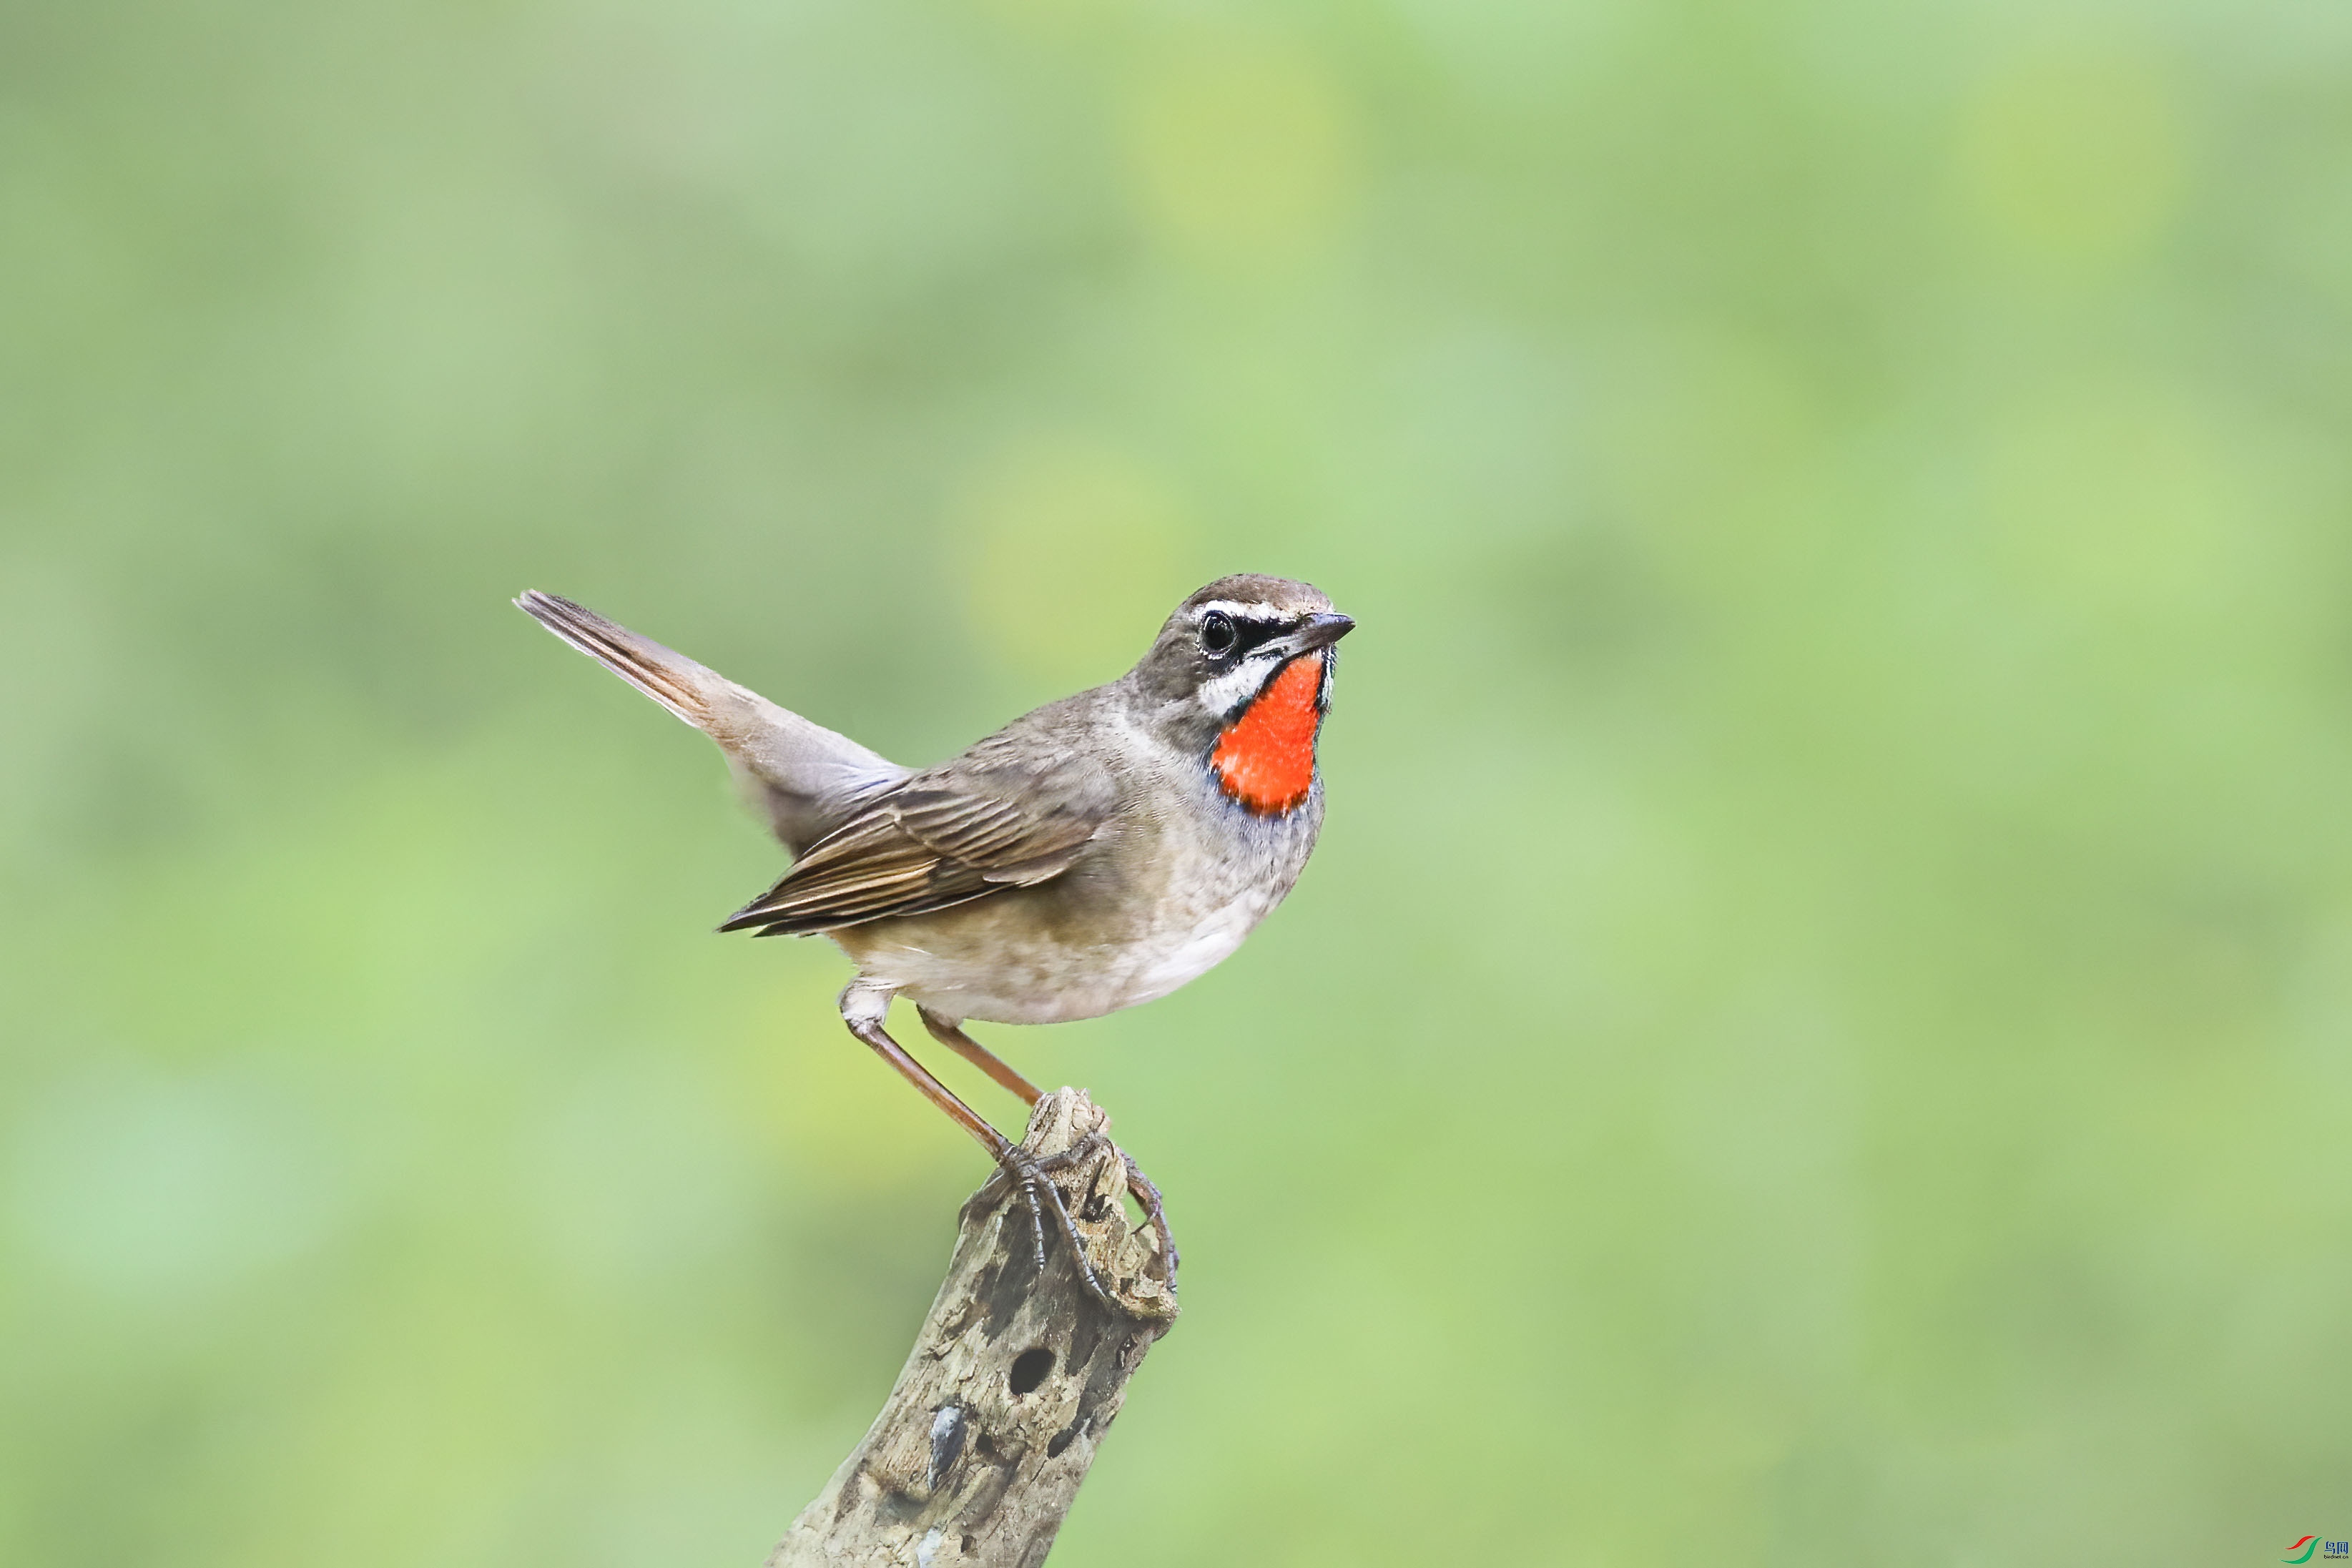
(1097, 852)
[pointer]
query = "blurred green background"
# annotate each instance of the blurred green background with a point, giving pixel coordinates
(1818, 1030)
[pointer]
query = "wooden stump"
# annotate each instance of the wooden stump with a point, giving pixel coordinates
(1013, 1379)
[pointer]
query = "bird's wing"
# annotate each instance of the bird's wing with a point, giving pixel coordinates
(808, 780)
(1002, 815)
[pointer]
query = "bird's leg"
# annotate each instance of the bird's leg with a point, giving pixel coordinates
(863, 1010)
(949, 1034)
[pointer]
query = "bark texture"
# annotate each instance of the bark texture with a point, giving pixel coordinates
(1015, 1378)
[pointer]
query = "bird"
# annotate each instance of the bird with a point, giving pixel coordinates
(1094, 854)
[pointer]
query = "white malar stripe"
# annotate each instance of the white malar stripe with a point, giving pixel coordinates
(1240, 683)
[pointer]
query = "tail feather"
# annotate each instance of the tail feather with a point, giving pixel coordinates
(806, 777)
(670, 678)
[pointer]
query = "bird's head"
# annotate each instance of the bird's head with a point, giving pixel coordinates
(1240, 674)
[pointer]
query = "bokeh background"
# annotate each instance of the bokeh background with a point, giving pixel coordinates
(1820, 1026)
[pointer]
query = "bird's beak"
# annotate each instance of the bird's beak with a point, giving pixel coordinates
(1322, 631)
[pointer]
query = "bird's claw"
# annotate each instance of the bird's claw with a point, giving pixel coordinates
(1024, 1174)
(1156, 1214)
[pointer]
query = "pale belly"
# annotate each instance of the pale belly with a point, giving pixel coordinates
(1008, 970)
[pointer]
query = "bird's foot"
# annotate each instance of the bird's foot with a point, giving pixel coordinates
(1156, 1214)
(1027, 1175)
(1085, 1185)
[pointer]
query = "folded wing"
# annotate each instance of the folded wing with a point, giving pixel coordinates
(988, 820)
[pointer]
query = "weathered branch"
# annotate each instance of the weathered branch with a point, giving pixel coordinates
(1015, 1378)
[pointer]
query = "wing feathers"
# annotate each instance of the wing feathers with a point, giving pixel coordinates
(944, 837)
(1013, 811)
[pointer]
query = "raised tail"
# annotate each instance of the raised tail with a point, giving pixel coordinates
(670, 678)
(803, 776)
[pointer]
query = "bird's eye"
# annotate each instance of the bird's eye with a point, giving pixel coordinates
(1217, 633)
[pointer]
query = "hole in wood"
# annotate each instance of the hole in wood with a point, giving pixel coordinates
(1029, 1369)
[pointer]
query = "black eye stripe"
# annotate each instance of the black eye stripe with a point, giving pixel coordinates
(1254, 633)
(1250, 632)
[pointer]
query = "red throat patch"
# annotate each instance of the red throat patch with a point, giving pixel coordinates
(1265, 759)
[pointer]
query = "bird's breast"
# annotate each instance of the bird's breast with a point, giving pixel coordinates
(1158, 901)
